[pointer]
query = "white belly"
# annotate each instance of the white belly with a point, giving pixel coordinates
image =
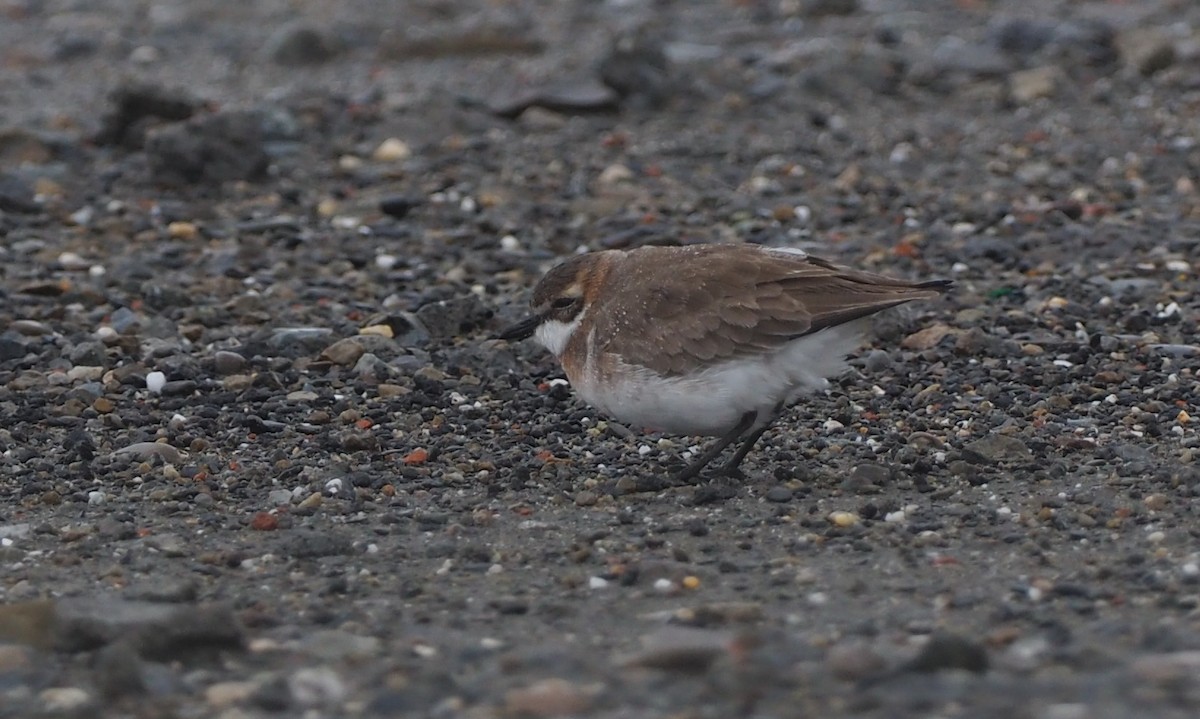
(713, 401)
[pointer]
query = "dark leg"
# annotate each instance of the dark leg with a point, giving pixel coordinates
(717, 447)
(731, 466)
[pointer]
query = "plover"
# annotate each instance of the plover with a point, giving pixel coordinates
(713, 340)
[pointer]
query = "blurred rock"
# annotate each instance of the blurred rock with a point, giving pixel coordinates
(211, 149)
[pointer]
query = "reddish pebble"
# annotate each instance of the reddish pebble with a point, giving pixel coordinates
(264, 522)
(417, 456)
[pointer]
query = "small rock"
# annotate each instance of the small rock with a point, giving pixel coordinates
(344, 352)
(843, 519)
(17, 196)
(567, 96)
(1147, 50)
(927, 338)
(169, 543)
(779, 494)
(172, 590)
(155, 381)
(225, 694)
(1025, 86)
(335, 645)
(133, 103)
(155, 630)
(550, 698)
(147, 450)
(997, 448)
(12, 348)
(30, 623)
(398, 206)
(821, 8)
(297, 44)
(294, 341)
(64, 700)
(217, 148)
(117, 671)
(227, 363)
(854, 662)
(455, 317)
(392, 150)
(1171, 669)
(681, 649)
(317, 688)
(950, 651)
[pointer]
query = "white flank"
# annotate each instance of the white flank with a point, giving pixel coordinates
(712, 401)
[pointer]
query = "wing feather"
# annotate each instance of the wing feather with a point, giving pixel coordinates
(686, 306)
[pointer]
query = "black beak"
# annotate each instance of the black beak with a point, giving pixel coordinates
(522, 330)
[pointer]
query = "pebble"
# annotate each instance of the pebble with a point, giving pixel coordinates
(680, 649)
(155, 381)
(226, 362)
(147, 450)
(779, 494)
(997, 448)
(1025, 86)
(392, 150)
(854, 662)
(64, 700)
(227, 693)
(317, 688)
(344, 352)
(950, 651)
(843, 519)
(550, 698)
(1147, 50)
(297, 44)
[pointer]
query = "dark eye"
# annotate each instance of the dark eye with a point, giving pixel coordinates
(563, 303)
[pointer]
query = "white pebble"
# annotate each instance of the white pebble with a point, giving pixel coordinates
(155, 381)
(663, 585)
(72, 261)
(510, 243)
(468, 205)
(106, 334)
(83, 216)
(96, 497)
(96, 271)
(372, 548)
(643, 450)
(597, 582)
(145, 55)
(895, 517)
(386, 261)
(832, 425)
(1155, 537)
(333, 486)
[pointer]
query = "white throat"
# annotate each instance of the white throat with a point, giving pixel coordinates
(554, 334)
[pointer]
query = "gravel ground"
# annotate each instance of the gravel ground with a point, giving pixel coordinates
(260, 459)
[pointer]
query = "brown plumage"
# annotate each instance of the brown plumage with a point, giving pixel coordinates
(676, 309)
(705, 340)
